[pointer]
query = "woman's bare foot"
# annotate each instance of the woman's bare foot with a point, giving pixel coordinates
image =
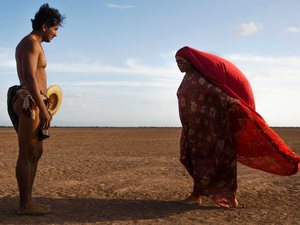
(224, 203)
(234, 203)
(192, 200)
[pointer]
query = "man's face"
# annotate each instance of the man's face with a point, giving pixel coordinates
(183, 64)
(50, 32)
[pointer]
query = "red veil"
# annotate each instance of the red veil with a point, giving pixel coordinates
(258, 146)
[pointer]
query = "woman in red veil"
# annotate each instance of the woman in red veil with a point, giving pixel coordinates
(220, 127)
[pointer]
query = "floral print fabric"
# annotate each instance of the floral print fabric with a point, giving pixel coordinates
(207, 148)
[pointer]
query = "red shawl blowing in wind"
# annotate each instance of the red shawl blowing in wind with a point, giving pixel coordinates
(258, 146)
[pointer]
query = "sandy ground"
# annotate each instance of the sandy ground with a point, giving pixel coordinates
(133, 176)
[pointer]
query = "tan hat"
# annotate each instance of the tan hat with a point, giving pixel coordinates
(54, 93)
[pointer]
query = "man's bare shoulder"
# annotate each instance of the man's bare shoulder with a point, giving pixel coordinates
(28, 43)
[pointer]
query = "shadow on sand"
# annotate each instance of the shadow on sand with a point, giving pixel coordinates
(89, 210)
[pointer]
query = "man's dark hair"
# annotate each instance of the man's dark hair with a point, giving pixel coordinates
(46, 15)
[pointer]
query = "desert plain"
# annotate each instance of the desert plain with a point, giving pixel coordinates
(133, 176)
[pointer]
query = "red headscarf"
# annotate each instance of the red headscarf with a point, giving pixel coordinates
(220, 72)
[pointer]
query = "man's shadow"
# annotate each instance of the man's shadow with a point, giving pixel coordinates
(92, 210)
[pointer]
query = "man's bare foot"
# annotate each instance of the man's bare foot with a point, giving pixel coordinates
(45, 206)
(192, 200)
(35, 209)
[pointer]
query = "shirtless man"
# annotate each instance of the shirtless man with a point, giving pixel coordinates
(27, 104)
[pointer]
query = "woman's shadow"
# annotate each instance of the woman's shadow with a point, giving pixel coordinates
(92, 210)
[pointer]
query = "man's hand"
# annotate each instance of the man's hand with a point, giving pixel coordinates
(45, 119)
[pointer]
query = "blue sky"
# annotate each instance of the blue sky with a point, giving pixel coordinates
(115, 62)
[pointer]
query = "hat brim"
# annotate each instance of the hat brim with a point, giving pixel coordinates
(54, 93)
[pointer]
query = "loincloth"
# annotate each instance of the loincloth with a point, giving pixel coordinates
(29, 106)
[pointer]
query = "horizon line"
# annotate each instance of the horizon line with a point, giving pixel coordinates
(134, 127)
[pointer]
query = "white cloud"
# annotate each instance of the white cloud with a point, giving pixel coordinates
(270, 67)
(154, 83)
(291, 60)
(132, 66)
(168, 55)
(248, 28)
(293, 29)
(118, 6)
(7, 60)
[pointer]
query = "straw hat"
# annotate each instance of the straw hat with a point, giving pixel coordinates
(54, 93)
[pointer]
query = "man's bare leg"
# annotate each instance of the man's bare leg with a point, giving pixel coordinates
(30, 151)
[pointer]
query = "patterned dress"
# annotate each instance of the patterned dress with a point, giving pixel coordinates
(207, 148)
